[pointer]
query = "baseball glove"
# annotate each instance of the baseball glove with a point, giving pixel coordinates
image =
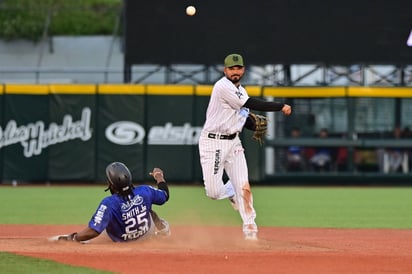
(261, 127)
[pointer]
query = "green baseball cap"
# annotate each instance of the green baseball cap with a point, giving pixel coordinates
(234, 60)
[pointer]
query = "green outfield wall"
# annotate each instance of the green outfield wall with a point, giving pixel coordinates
(69, 133)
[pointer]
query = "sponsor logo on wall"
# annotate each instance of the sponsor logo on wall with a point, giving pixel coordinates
(34, 137)
(129, 133)
(174, 135)
(125, 133)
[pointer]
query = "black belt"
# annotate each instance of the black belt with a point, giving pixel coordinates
(221, 136)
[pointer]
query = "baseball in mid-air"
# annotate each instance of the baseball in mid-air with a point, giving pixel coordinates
(190, 10)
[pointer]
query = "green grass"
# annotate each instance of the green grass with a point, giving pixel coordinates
(337, 207)
(331, 207)
(49, 205)
(16, 264)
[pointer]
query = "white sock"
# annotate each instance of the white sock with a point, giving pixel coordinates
(230, 191)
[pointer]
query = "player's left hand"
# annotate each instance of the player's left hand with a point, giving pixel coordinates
(70, 237)
(65, 237)
(157, 174)
(261, 126)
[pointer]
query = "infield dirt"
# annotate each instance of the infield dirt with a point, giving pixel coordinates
(222, 250)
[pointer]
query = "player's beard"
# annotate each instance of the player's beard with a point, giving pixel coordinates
(235, 79)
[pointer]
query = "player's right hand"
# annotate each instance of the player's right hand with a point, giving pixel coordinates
(287, 110)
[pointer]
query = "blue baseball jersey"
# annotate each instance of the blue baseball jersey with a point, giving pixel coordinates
(126, 220)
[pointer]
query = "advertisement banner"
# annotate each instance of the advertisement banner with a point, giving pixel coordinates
(172, 135)
(201, 103)
(1, 126)
(72, 144)
(121, 130)
(70, 133)
(24, 127)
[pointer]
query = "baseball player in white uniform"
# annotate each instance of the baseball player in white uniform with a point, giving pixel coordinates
(220, 147)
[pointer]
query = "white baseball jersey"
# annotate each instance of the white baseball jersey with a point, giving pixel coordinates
(225, 114)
